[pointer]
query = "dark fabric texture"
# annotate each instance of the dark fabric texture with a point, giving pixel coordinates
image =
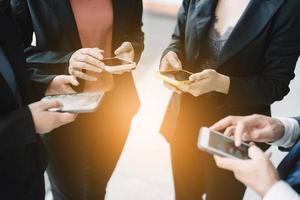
(76, 172)
(22, 157)
(289, 168)
(259, 57)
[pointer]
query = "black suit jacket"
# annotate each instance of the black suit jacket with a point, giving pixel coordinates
(22, 161)
(259, 56)
(57, 38)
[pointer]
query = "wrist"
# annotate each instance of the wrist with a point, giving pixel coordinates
(224, 84)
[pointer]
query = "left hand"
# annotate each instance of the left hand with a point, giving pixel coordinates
(257, 173)
(207, 81)
(126, 52)
(62, 85)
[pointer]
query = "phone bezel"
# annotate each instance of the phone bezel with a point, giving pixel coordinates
(117, 68)
(173, 81)
(203, 143)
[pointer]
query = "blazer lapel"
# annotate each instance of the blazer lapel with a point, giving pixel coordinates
(67, 23)
(203, 15)
(252, 22)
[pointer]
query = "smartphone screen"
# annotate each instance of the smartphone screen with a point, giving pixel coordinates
(112, 62)
(225, 144)
(177, 75)
(77, 103)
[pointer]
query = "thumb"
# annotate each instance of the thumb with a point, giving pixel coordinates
(255, 153)
(71, 80)
(48, 104)
(125, 47)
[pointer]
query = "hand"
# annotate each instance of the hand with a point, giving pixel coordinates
(171, 62)
(257, 173)
(207, 81)
(44, 120)
(88, 59)
(257, 128)
(62, 85)
(125, 51)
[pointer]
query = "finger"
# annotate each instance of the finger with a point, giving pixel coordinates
(65, 118)
(70, 80)
(230, 131)
(229, 163)
(86, 66)
(125, 47)
(202, 75)
(239, 132)
(174, 62)
(83, 76)
(89, 60)
(224, 123)
(48, 104)
(94, 52)
(172, 88)
(255, 153)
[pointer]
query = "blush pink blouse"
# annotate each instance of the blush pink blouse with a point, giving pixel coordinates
(94, 20)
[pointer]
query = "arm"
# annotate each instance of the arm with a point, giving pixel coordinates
(281, 190)
(178, 37)
(135, 35)
(17, 129)
(271, 84)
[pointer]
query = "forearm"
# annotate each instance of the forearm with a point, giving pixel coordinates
(281, 190)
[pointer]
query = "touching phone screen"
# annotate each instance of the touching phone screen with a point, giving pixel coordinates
(177, 75)
(115, 62)
(227, 145)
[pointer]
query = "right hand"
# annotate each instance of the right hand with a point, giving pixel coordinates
(45, 121)
(256, 128)
(88, 59)
(171, 62)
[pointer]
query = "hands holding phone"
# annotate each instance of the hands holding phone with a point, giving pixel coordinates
(258, 172)
(90, 60)
(201, 83)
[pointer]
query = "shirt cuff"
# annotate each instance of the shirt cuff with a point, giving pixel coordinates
(281, 190)
(291, 132)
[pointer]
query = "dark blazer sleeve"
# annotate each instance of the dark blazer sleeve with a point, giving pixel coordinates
(135, 34)
(272, 82)
(36, 57)
(178, 37)
(17, 129)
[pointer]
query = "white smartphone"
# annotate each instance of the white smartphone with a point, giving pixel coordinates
(217, 143)
(77, 103)
(114, 65)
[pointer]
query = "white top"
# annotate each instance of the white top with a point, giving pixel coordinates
(282, 190)
(228, 13)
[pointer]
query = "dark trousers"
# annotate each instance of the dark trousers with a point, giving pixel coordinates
(83, 158)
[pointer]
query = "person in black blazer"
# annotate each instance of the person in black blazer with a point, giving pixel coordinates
(240, 75)
(258, 172)
(82, 160)
(22, 156)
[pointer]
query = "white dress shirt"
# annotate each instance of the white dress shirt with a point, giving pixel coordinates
(281, 190)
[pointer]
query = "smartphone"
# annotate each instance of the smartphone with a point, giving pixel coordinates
(77, 103)
(175, 78)
(217, 143)
(118, 65)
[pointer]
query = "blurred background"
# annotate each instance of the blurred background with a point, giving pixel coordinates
(144, 170)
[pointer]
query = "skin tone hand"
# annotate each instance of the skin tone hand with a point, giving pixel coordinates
(171, 62)
(207, 81)
(62, 85)
(86, 59)
(44, 120)
(256, 128)
(125, 52)
(257, 173)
